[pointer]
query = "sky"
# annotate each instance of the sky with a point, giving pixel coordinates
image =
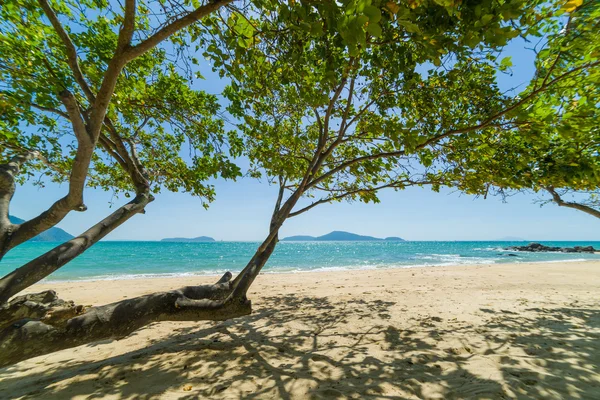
(243, 208)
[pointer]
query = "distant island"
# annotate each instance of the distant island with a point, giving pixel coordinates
(51, 235)
(189, 240)
(339, 236)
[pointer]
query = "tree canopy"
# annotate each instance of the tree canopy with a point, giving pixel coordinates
(340, 100)
(153, 111)
(368, 85)
(551, 143)
(99, 95)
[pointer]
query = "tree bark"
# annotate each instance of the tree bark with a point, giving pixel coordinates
(8, 172)
(577, 206)
(18, 234)
(47, 263)
(244, 280)
(31, 306)
(29, 338)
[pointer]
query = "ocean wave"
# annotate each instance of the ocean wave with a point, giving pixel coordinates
(294, 270)
(561, 261)
(457, 258)
(490, 249)
(118, 277)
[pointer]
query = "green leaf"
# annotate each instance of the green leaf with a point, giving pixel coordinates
(506, 63)
(486, 19)
(374, 29)
(410, 26)
(373, 13)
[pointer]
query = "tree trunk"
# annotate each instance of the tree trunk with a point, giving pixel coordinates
(60, 325)
(244, 280)
(38, 324)
(47, 263)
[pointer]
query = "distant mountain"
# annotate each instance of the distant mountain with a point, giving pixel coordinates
(511, 239)
(189, 240)
(338, 236)
(51, 235)
(300, 238)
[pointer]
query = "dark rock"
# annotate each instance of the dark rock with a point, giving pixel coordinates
(538, 247)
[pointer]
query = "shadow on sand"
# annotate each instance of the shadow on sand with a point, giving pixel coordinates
(309, 347)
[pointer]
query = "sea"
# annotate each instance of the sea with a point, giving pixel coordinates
(129, 260)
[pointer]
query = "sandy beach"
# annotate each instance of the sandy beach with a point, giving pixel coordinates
(482, 332)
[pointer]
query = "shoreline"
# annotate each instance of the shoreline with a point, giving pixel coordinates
(472, 331)
(309, 271)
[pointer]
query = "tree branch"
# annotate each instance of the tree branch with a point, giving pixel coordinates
(109, 147)
(352, 162)
(47, 263)
(74, 113)
(347, 110)
(30, 338)
(48, 109)
(278, 202)
(173, 27)
(74, 198)
(577, 206)
(128, 27)
(8, 172)
(397, 184)
(131, 161)
(329, 110)
(70, 48)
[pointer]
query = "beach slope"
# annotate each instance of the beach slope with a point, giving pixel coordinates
(484, 332)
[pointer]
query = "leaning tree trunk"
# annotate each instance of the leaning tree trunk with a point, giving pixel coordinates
(34, 325)
(38, 324)
(39, 268)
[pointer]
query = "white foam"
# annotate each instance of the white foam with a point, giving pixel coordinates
(433, 260)
(140, 276)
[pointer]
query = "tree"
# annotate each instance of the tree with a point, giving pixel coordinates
(334, 99)
(550, 145)
(369, 95)
(97, 94)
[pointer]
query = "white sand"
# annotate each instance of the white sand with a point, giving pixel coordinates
(482, 332)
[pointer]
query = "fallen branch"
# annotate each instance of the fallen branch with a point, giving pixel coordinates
(47, 332)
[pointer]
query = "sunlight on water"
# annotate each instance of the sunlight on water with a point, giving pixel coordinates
(124, 260)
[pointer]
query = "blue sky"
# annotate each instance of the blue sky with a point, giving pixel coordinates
(243, 208)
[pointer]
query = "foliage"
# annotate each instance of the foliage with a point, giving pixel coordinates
(175, 130)
(350, 97)
(552, 141)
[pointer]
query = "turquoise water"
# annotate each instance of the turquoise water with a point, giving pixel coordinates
(121, 260)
